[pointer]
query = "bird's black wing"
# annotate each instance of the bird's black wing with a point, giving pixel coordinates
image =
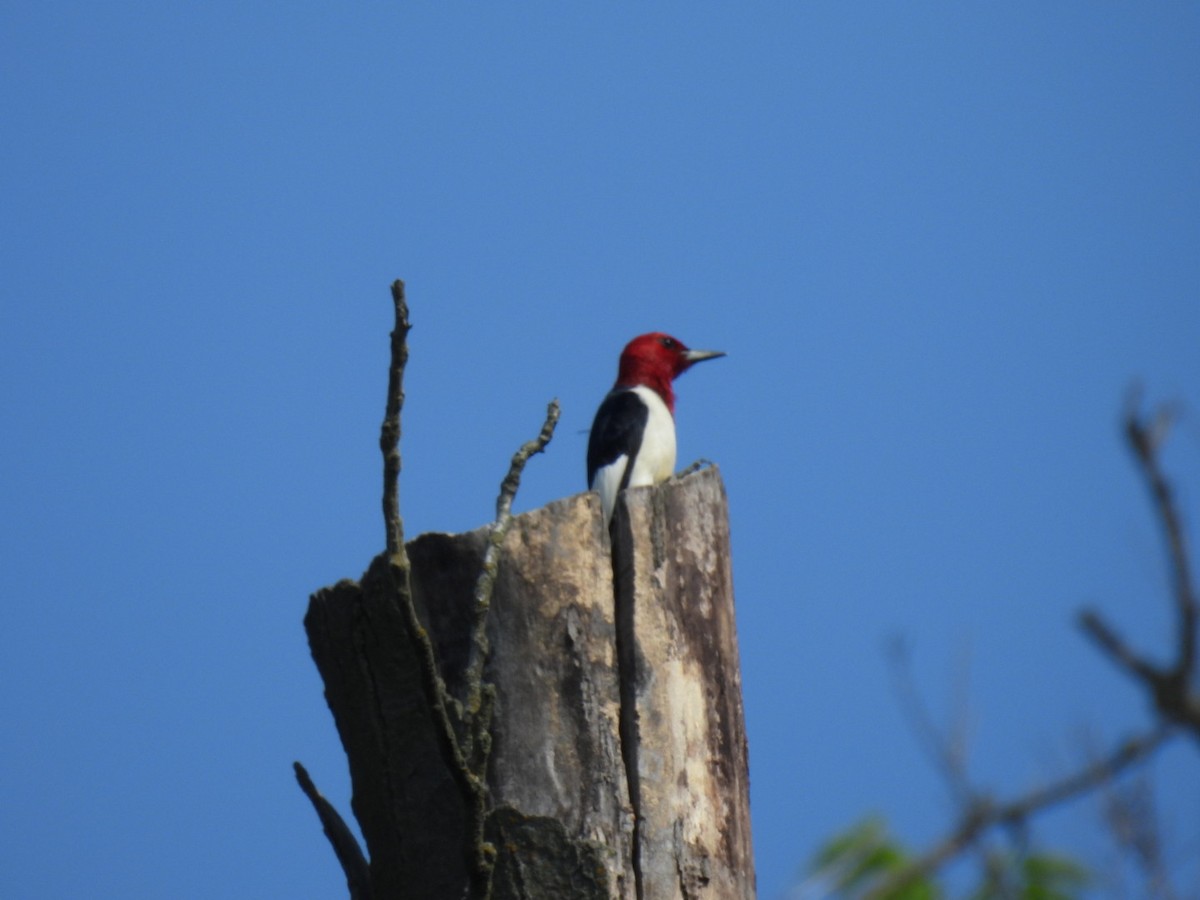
(618, 428)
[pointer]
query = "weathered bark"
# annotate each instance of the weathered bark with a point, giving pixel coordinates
(684, 730)
(611, 706)
(556, 746)
(411, 814)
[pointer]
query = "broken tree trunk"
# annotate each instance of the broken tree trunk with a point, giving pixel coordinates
(618, 763)
(531, 712)
(681, 690)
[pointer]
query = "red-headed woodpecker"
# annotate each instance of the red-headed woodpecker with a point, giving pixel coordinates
(633, 436)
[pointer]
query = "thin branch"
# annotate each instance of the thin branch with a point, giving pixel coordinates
(463, 735)
(949, 756)
(1171, 686)
(1145, 438)
(389, 434)
(491, 557)
(699, 464)
(1126, 753)
(984, 815)
(1112, 644)
(349, 854)
(389, 442)
(481, 697)
(1133, 822)
(458, 760)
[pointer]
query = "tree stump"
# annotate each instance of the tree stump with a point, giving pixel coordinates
(615, 748)
(681, 686)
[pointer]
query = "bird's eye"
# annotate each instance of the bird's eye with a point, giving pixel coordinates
(669, 343)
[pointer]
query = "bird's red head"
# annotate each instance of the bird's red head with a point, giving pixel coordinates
(655, 360)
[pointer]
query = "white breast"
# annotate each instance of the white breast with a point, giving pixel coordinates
(656, 458)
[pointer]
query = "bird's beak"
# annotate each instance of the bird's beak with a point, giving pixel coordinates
(695, 356)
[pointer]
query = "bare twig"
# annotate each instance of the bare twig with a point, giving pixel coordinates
(1145, 438)
(491, 557)
(480, 696)
(470, 782)
(696, 467)
(1171, 686)
(389, 435)
(1113, 644)
(477, 739)
(462, 733)
(1129, 812)
(1125, 754)
(984, 815)
(948, 755)
(349, 854)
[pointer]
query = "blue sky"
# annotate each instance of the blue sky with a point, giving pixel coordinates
(938, 244)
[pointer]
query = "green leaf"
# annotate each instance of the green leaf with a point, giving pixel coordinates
(864, 855)
(1032, 877)
(1053, 877)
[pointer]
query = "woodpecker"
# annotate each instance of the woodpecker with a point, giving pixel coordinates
(633, 435)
